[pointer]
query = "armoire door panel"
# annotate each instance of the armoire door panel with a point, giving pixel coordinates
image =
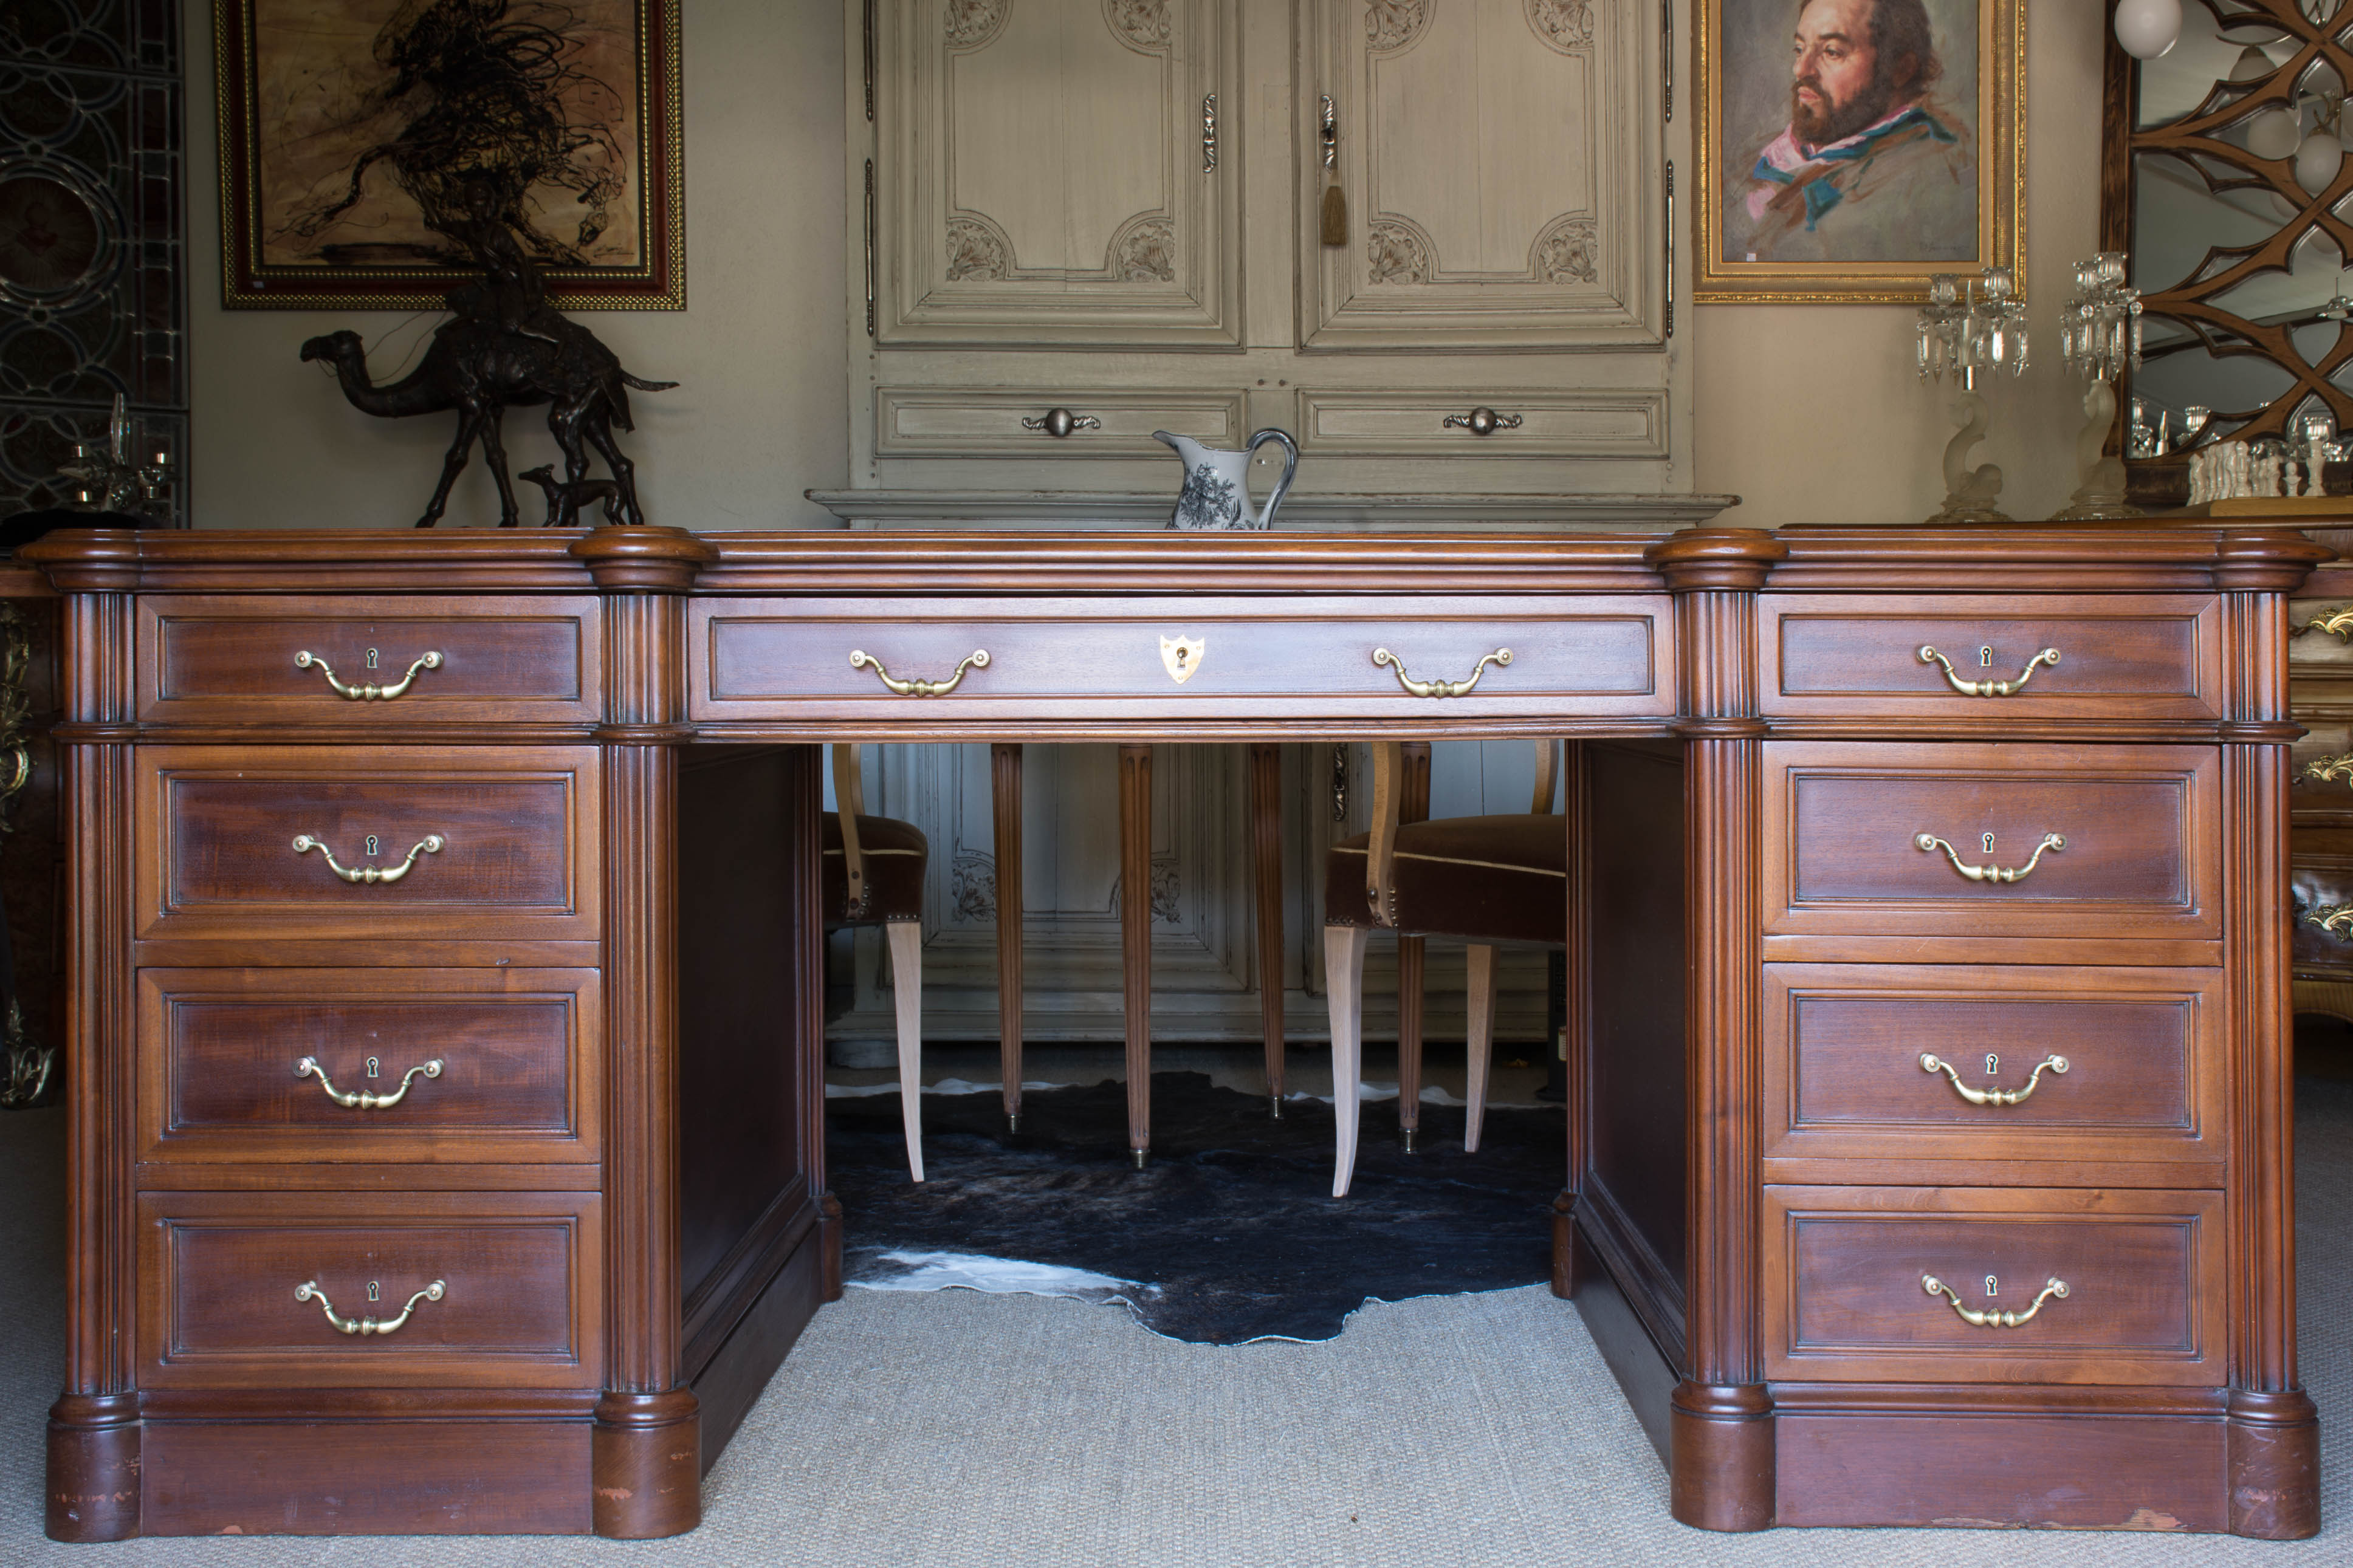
(1045, 178)
(1501, 172)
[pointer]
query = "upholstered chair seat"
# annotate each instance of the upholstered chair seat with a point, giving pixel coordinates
(895, 855)
(1488, 879)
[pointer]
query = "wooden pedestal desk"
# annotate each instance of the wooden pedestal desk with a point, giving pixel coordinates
(445, 1008)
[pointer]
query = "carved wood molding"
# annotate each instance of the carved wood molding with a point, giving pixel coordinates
(1563, 25)
(1391, 26)
(1396, 251)
(1564, 252)
(975, 23)
(1141, 23)
(977, 251)
(1144, 252)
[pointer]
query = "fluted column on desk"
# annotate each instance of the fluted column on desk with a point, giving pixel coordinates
(1722, 1420)
(1413, 806)
(2273, 1454)
(93, 1484)
(646, 1449)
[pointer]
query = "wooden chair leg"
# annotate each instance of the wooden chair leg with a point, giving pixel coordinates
(1480, 1044)
(1005, 792)
(1136, 939)
(907, 994)
(1266, 866)
(1344, 978)
(1413, 806)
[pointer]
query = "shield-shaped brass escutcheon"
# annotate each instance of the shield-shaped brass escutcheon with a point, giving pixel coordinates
(1182, 656)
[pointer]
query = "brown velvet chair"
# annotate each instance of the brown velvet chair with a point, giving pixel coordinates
(1491, 880)
(871, 872)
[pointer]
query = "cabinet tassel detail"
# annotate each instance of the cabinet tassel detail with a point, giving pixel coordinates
(1335, 200)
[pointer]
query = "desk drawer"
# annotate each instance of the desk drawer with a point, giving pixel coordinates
(279, 661)
(520, 1277)
(1864, 839)
(2112, 1064)
(248, 842)
(1846, 1298)
(485, 1066)
(2141, 657)
(755, 660)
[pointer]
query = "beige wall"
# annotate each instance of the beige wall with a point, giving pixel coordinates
(760, 415)
(1814, 413)
(1811, 413)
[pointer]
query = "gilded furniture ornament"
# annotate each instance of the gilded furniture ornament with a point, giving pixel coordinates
(306, 660)
(2337, 920)
(27, 1069)
(2337, 622)
(1564, 24)
(1931, 1062)
(309, 1291)
(1928, 843)
(1989, 1320)
(2049, 655)
(2330, 769)
(369, 875)
(976, 659)
(1501, 658)
(361, 1100)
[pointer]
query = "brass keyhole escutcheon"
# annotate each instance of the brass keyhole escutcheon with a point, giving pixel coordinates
(376, 1290)
(373, 657)
(1985, 657)
(1993, 1286)
(1180, 657)
(374, 844)
(374, 1067)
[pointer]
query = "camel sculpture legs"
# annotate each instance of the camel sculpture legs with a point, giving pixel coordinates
(578, 428)
(482, 422)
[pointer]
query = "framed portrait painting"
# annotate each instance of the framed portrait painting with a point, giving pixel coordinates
(359, 138)
(1851, 149)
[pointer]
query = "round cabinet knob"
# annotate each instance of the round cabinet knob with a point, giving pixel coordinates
(1060, 422)
(1482, 421)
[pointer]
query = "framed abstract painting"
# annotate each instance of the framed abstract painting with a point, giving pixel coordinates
(1850, 149)
(352, 133)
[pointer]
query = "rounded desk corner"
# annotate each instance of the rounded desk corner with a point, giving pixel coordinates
(646, 1464)
(1723, 1475)
(92, 1490)
(1733, 559)
(86, 559)
(643, 559)
(2274, 1465)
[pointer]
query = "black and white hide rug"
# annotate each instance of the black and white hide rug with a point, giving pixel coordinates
(1231, 1234)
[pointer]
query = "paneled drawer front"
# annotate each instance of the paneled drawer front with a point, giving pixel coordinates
(520, 1277)
(2108, 1064)
(1548, 424)
(476, 660)
(2133, 657)
(480, 1065)
(1847, 1298)
(484, 844)
(753, 660)
(2070, 841)
(959, 421)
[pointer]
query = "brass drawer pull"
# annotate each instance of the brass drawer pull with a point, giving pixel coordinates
(429, 845)
(2049, 655)
(1501, 658)
(306, 660)
(1931, 1062)
(309, 1291)
(309, 1067)
(1930, 843)
(976, 659)
(1936, 1287)
(1482, 421)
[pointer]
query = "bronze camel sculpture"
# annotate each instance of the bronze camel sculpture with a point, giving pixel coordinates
(480, 367)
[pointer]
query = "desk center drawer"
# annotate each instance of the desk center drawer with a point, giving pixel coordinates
(380, 842)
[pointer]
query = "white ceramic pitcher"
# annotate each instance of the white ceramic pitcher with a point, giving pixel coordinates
(1217, 482)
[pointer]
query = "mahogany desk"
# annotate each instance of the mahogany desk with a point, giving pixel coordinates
(1826, 1180)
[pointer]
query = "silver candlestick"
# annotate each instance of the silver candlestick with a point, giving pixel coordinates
(1968, 329)
(2099, 337)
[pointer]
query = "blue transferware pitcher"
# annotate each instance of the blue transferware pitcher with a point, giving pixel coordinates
(1217, 483)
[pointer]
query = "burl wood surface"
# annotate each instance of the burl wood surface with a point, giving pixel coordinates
(620, 1177)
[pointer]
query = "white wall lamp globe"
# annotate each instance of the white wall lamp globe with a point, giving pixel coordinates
(2317, 159)
(2146, 28)
(2274, 133)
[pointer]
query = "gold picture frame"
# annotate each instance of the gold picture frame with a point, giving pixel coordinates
(1729, 144)
(337, 117)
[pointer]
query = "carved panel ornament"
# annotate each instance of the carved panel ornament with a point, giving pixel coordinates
(1393, 24)
(1565, 252)
(1395, 254)
(1564, 24)
(972, 884)
(976, 252)
(1144, 23)
(1147, 253)
(974, 23)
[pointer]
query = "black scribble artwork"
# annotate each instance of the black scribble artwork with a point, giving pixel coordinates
(480, 91)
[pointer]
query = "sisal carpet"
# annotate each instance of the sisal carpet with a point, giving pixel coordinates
(957, 1430)
(1231, 1232)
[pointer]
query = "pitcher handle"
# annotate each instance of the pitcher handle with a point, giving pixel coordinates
(1290, 467)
